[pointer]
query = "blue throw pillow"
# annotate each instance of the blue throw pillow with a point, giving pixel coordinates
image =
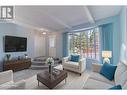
(75, 58)
(117, 87)
(108, 71)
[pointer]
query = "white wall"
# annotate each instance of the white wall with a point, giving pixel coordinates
(52, 45)
(40, 48)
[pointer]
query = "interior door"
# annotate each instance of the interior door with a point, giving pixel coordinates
(52, 45)
(39, 46)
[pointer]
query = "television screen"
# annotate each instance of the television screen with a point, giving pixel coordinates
(15, 44)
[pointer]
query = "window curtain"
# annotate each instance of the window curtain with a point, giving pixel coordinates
(106, 32)
(65, 44)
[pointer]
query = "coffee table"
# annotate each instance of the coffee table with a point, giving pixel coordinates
(53, 79)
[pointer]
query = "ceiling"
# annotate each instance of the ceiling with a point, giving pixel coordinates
(58, 18)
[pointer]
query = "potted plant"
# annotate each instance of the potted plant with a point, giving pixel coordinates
(50, 61)
(8, 56)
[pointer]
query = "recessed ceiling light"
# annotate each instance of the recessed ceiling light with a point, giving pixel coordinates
(43, 33)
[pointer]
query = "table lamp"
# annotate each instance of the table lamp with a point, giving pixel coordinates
(106, 55)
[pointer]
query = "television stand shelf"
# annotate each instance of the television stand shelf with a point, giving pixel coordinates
(17, 65)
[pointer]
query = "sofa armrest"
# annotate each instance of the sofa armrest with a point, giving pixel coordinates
(82, 64)
(6, 76)
(65, 59)
(96, 67)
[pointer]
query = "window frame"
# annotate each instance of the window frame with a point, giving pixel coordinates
(93, 50)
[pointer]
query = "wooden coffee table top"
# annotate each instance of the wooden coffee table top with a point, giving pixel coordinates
(51, 80)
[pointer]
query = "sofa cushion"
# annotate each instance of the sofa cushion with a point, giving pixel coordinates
(96, 67)
(75, 58)
(72, 64)
(120, 73)
(20, 84)
(6, 85)
(12, 85)
(99, 77)
(125, 86)
(6, 77)
(116, 87)
(108, 71)
(123, 78)
(95, 84)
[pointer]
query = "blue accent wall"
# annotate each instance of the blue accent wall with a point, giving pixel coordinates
(107, 30)
(107, 39)
(65, 44)
(123, 22)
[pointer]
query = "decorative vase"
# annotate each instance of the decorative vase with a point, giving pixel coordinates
(50, 69)
(26, 56)
(50, 61)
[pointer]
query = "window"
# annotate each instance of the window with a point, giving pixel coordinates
(85, 43)
(52, 41)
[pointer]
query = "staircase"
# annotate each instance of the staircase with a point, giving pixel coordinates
(39, 63)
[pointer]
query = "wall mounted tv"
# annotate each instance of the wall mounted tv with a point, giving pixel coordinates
(15, 44)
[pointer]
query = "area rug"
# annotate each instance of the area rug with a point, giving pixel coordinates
(74, 80)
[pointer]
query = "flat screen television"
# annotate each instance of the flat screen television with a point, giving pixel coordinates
(15, 44)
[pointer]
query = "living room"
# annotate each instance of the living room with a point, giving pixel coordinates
(37, 35)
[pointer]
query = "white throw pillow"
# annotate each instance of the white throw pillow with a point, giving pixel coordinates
(121, 73)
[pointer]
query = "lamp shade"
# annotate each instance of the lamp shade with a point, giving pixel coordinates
(107, 54)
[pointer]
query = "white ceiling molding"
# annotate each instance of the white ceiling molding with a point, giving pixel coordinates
(57, 20)
(36, 29)
(89, 15)
(20, 21)
(32, 22)
(24, 24)
(60, 22)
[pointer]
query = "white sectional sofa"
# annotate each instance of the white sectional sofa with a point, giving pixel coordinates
(78, 67)
(97, 81)
(7, 82)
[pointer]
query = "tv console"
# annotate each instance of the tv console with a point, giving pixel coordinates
(17, 65)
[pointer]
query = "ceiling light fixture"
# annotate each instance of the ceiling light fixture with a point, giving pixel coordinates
(44, 33)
